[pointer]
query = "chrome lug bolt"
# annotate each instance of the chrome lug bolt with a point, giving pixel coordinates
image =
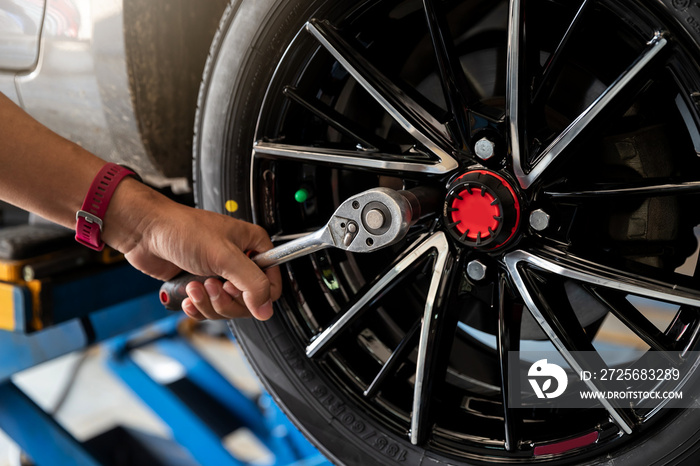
(476, 270)
(484, 148)
(539, 220)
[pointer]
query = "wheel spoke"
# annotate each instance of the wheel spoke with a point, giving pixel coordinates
(556, 60)
(341, 123)
(647, 188)
(563, 329)
(587, 117)
(515, 89)
(348, 159)
(364, 299)
(629, 315)
(411, 116)
(459, 95)
(398, 356)
(436, 336)
(509, 318)
(577, 269)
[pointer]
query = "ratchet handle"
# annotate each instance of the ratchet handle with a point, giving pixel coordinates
(173, 292)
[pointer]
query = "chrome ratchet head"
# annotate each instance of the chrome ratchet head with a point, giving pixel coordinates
(371, 220)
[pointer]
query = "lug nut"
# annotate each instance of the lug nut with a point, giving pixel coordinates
(484, 148)
(539, 220)
(374, 219)
(476, 270)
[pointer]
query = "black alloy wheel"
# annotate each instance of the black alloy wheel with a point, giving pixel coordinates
(560, 143)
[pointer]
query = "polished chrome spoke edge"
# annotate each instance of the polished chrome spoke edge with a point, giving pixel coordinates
(608, 278)
(512, 260)
(346, 158)
(323, 339)
(554, 150)
(650, 189)
(514, 105)
(439, 242)
(403, 120)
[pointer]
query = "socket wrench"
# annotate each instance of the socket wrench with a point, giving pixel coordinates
(365, 222)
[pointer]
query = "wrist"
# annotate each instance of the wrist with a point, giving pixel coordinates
(134, 207)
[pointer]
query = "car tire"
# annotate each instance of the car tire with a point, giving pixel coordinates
(249, 58)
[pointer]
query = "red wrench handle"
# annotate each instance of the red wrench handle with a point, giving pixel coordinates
(173, 292)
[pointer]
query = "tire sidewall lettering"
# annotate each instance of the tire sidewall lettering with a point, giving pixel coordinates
(349, 420)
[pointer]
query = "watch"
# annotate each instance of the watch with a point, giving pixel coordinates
(90, 218)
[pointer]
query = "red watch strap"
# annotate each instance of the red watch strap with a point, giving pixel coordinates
(89, 218)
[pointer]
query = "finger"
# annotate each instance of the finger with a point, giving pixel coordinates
(251, 281)
(255, 239)
(275, 277)
(263, 312)
(231, 289)
(222, 302)
(236, 294)
(262, 243)
(198, 294)
(191, 310)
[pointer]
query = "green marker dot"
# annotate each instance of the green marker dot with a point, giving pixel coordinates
(301, 195)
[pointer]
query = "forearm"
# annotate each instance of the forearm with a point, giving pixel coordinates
(41, 171)
(50, 176)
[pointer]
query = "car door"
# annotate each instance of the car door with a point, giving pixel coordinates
(20, 31)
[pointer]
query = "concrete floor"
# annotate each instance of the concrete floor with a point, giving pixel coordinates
(99, 401)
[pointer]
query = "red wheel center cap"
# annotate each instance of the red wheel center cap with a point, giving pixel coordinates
(478, 213)
(482, 210)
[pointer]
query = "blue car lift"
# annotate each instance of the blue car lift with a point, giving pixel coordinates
(108, 302)
(203, 407)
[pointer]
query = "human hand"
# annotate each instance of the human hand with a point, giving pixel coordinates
(172, 237)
